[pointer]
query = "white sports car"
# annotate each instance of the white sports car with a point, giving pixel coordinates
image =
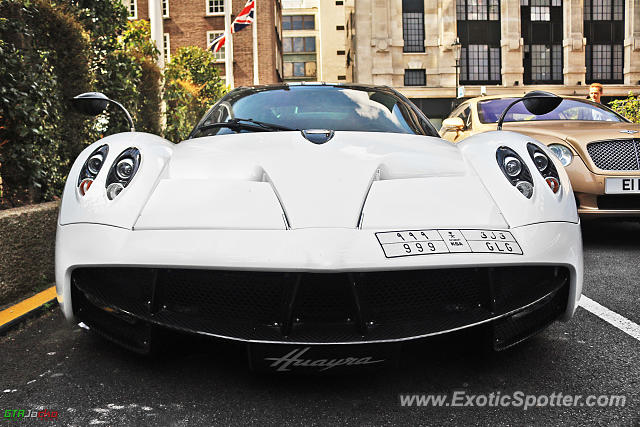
(301, 216)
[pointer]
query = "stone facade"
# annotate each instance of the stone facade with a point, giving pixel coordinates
(332, 31)
(379, 56)
(189, 22)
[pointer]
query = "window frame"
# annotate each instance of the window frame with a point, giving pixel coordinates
(133, 3)
(209, 11)
(166, 47)
(165, 12)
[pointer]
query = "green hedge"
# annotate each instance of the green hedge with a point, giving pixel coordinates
(50, 52)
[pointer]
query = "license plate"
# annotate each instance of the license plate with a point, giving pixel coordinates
(629, 185)
(426, 242)
(320, 358)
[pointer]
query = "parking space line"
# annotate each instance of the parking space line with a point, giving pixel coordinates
(11, 314)
(611, 317)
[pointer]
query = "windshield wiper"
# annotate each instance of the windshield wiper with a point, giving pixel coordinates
(247, 124)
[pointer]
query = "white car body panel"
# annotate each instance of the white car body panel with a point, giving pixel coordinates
(274, 201)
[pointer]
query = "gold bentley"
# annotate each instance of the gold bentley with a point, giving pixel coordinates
(599, 148)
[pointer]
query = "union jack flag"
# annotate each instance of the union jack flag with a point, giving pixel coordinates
(243, 20)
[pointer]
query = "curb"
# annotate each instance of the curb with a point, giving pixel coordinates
(23, 310)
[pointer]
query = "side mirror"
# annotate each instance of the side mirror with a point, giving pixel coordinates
(453, 123)
(537, 102)
(94, 103)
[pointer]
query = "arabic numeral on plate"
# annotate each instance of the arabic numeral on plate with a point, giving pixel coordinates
(508, 246)
(420, 248)
(424, 235)
(407, 248)
(432, 247)
(400, 236)
(490, 247)
(414, 237)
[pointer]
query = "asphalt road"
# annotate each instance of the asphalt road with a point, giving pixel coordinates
(51, 365)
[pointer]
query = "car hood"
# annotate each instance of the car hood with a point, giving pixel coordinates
(577, 132)
(276, 180)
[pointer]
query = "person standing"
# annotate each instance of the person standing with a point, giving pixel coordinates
(595, 92)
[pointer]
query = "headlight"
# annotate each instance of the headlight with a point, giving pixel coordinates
(541, 161)
(95, 163)
(91, 168)
(124, 168)
(122, 171)
(512, 166)
(562, 153)
(545, 166)
(515, 170)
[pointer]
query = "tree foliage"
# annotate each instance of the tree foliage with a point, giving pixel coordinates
(629, 107)
(192, 85)
(50, 52)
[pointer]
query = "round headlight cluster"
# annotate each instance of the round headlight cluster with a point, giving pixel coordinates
(562, 153)
(91, 168)
(122, 172)
(526, 188)
(545, 166)
(515, 170)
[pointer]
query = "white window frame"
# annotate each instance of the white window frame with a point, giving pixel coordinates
(165, 11)
(166, 48)
(220, 55)
(135, 9)
(210, 12)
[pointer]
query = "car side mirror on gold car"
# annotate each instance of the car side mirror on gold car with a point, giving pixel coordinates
(453, 123)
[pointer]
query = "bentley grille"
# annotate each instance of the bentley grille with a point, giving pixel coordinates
(616, 154)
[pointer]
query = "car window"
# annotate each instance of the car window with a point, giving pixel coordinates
(465, 115)
(489, 111)
(348, 108)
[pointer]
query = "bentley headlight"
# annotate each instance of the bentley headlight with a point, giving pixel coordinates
(562, 153)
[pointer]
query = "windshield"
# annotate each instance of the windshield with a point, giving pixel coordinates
(489, 111)
(346, 108)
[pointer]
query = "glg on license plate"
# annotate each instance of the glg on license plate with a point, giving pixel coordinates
(622, 185)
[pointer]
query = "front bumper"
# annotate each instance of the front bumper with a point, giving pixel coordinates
(591, 200)
(312, 286)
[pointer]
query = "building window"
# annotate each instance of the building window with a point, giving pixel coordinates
(413, 25)
(211, 36)
(480, 64)
(477, 10)
(300, 69)
(165, 8)
(133, 9)
(604, 30)
(166, 48)
(339, 3)
(415, 78)
(342, 77)
(340, 27)
(479, 33)
(215, 7)
(542, 34)
(298, 44)
(340, 52)
(298, 22)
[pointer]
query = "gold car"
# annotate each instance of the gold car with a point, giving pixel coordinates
(599, 148)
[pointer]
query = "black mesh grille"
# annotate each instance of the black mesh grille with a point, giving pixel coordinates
(616, 155)
(305, 307)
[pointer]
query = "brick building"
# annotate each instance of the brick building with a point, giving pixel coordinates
(198, 22)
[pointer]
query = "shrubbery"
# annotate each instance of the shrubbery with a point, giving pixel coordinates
(192, 85)
(629, 108)
(50, 53)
